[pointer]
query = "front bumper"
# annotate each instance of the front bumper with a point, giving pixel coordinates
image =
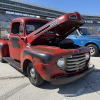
(68, 79)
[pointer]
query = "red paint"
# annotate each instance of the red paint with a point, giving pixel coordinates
(36, 42)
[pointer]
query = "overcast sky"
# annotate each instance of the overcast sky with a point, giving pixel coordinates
(82, 6)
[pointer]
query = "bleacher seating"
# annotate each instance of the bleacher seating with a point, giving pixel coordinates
(4, 24)
(92, 27)
(5, 20)
(8, 17)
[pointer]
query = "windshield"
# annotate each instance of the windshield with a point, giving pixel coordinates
(32, 26)
(84, 31)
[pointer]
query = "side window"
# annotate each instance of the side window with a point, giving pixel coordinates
(74, 33)
(17, 26)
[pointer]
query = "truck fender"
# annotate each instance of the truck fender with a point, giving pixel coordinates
(92, 43)
(4, 49)
(37, 59)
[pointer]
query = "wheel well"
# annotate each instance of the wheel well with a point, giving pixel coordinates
(91, 43)
(25, 65)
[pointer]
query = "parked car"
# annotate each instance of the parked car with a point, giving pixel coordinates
(39, 48)
(83, 37)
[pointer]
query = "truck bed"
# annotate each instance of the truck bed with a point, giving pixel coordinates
(5, 39)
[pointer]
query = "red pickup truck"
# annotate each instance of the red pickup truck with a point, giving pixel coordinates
(39, 47)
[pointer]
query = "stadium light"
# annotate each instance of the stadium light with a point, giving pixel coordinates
(47, 5)
(27, 0)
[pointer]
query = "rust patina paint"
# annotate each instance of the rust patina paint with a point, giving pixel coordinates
(44, 57)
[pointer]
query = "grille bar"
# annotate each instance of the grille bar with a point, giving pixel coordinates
(72, 66)
(71, 63)
(74, 56)
(75, 59)
(75, 68)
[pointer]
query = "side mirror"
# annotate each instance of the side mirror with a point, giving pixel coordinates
(14, 31)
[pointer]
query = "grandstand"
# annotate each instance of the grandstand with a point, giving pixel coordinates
(20, 6)
(93, 27)
(8, 17)
(5, 19)
(23, 8)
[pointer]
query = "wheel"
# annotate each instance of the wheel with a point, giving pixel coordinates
(33, 75)
(94, 51)
(2, 60)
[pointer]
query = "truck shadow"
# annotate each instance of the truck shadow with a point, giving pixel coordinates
(88, 84)
(98, 55)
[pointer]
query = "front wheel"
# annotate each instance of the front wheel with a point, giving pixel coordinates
(94, 51)
(33, 75)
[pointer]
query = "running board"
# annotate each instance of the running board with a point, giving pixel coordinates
(12, 62)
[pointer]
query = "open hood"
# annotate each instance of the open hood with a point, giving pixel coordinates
(64, 25)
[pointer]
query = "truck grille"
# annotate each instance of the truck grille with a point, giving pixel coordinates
(75, 62)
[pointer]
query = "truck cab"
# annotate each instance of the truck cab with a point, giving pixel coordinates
(39, 47)
(20, 29)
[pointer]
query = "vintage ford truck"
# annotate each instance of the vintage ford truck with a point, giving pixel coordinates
(39, 47)
(83, 37)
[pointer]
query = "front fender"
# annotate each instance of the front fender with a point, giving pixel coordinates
(41, 62)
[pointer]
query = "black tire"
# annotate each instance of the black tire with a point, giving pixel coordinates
(2, 60)
(94, 51)
(37, 79)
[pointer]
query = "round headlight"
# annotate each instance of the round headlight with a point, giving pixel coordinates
(61, 62)
(87, 56)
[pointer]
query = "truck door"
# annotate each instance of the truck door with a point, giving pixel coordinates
(16, 40)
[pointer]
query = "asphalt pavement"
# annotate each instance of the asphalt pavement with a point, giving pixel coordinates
(15, 86)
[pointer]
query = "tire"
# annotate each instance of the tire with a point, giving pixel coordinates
(94, 51)
(2, 60)
(33, 75)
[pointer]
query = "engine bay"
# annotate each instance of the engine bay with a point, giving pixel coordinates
(55, 40)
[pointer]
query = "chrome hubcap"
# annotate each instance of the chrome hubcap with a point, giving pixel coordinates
(92, 50)
(32, 72)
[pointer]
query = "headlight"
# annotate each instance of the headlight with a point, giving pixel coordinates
(61, 62)
(87, 56)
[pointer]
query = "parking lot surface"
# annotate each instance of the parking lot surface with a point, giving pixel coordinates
(15, 86)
